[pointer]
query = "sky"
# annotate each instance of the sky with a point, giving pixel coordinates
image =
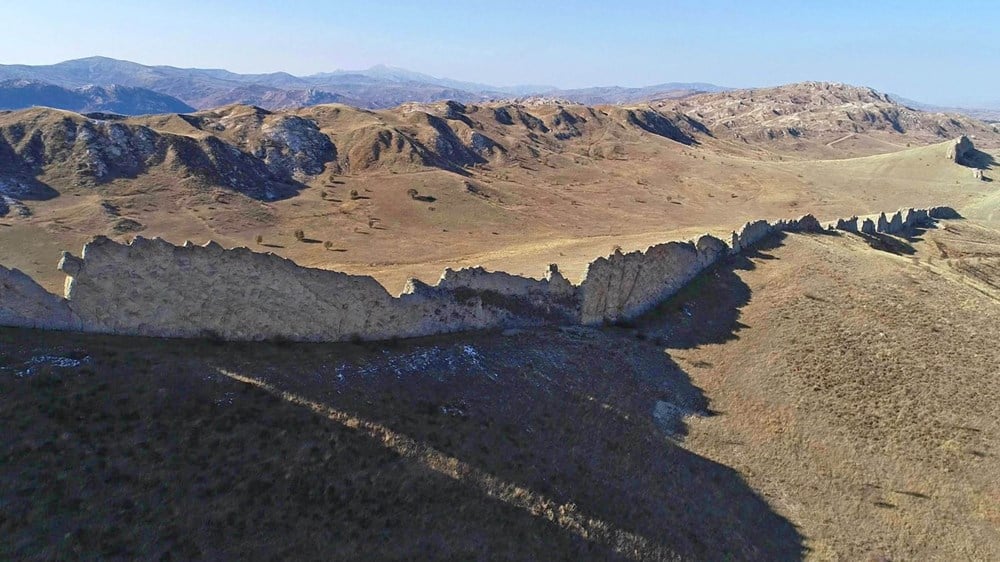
(939, 52)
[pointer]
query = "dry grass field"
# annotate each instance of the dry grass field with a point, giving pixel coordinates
(821, 398)
(830, 396)
(531, 220)
(558, 184)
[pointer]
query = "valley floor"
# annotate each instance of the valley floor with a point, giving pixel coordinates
(830, 396)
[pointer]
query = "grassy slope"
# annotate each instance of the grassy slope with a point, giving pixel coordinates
(860, 394)
(847, 398)
(565, 209)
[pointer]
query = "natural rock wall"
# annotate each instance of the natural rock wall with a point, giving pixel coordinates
(151, 287)
(848, 225)
(25, 304)
(902, 221)
(154, 288)
(626, 285)
(960, 149)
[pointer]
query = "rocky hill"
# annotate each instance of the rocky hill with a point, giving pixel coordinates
(819, 111)
(248, 150)
(376, 87)
(267, 155)
(21, 94)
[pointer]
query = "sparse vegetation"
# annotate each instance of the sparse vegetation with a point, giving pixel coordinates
(259, 239)
(300, 235)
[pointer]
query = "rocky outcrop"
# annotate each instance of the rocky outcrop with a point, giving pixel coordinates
(622, 286)
(943, 213)
(849, 225)
(960, 149)
(867, 226)
(154, 288)
(25, 304)
(264, 158)
(150, 287)
(900, 222)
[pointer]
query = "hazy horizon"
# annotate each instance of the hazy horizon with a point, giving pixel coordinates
(925, 51)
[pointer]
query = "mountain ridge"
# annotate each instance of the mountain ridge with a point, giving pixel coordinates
(377, 87)
(24, 93)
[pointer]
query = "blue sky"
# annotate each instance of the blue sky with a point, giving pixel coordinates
(933, 51)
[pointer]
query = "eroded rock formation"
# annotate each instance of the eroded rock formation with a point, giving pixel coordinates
(960, 149)
(25, 304)
(150, 287)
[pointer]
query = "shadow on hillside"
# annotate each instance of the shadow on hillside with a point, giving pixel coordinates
(707, 310)
(888, 243)
(978, 159)
(900, 244)
(524, 446)
(576, 416)
(26, 188)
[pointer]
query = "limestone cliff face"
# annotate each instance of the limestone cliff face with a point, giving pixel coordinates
(151, 287)
(960, 149)
(154, 288)
(622, 286)
(25, 304)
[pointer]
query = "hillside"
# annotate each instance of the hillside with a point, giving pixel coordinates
(810, 115)
(21, 94)
(820, 398)
(522, 185)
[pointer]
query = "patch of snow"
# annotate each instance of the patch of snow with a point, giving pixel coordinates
(32, 364)
(439, 362)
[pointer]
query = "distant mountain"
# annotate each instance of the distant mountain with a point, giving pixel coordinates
(20, 94)
(401, 75)
(618, 94)
(375, 88)
(990, 115)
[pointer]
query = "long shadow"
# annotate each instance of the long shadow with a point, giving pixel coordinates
(138, 452)
(200, 457)
(536, 410)
(900, 244)
(707, 310)
(573, 431)
(978, 159)
(581, 416)
(18, 188)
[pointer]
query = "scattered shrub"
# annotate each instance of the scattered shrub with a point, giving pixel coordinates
(354, 194)
(260, 239)
(328, 245)
(300, 235)
(413, 193)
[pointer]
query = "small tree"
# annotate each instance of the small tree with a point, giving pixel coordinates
(371, 223)
(322, 194)
(300, 235)
(328, 245)
(260, 239)
(412, 193)
(354, 194)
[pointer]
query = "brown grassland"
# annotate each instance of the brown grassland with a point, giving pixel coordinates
(819, 398)
(828, 396)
